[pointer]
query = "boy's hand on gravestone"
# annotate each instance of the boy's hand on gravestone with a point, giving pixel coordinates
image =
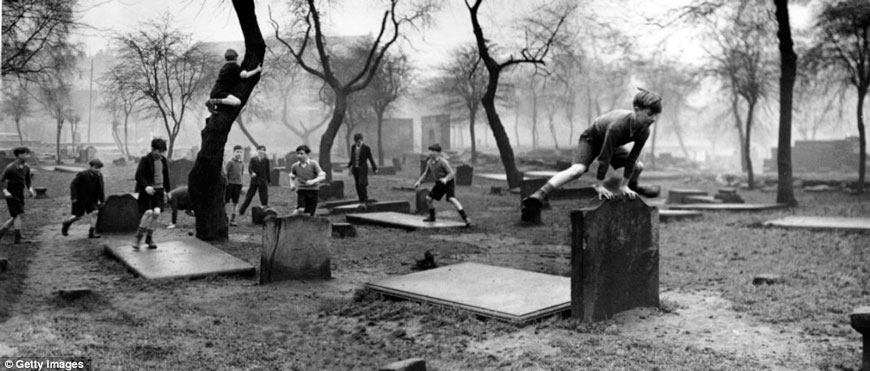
(628, 192)
(603, 192)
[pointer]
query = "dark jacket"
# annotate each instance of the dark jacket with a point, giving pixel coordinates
(262, 169)
(87, 188)
(365, 153)
(145, 173)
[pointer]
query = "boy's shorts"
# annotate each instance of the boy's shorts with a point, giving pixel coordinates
(589, 148)
(307, 199)
(149, 202)
(80, 209)
(441, 189)
(233, 192)
(15, 204)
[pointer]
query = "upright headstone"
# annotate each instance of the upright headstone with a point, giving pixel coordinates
(678, 196)
(420, 201)
(464, 174)
(336, 189)
(614, 258)
(527, 187)
(120, 214)
(179, 171)
(296, 247)
(275, 176)
(259, 214)
(397, 163)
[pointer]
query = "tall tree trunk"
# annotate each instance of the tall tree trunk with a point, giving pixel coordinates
(380, 114)
(517, 128)
(738, 124)
(126, 138)
(244, 129)
(59, 133)
(18, 127)
(534, 118)
(747, 147)
(862, 141)
(652, 148)
(788, 73)
(501, 138)
(552, 127)
(472, 118)
(206, 184)
(328, 137)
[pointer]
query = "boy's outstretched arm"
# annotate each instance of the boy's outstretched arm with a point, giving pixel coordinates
(246, 74)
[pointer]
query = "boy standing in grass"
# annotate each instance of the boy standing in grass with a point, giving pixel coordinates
(235, 169)
(152, 183)
(260, 178)
(228, 77)
(306, 175)
(15, 180)
(604, 141)
(444, 184)
(87, 194)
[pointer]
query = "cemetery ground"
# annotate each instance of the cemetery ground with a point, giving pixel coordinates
(712, 316)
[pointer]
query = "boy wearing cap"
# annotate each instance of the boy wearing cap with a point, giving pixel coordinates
(604, 141)
(445, 185)
(87, 194)
(228, 77)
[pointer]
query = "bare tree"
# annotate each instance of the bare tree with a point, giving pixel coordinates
(205, 182)
(16, 104)
(389, 84)
(169, 72)
(33, 31)
(460, 84)
(541, 33)
(788, 73)
(54, 95)
(121, 101)
(309, 17)
(73, 117)
(843, 48)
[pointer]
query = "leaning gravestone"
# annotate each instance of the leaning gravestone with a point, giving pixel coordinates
(179, 170)
(464, 174)
(614, 259)
(336, 189)
(295, 247)
(120, 214)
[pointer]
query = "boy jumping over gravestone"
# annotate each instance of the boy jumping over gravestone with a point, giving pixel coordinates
(17, 179)
(152, 183)
(179, 199)
(306, 175)
(604, 140)
(444, 184)
(235, 169)
(360, 153)
(260, 178)
(228, 77)
(87, 194)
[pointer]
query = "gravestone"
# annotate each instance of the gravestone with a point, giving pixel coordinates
(275, 176)
(4, 264)
(614, 258)
(527, 187)
(259, 214)
(464, 174)
(119, 162)
(290, 159)
(74, 293)
(495, 190)
(41, 192)
(701, 200)
(860, 320)
(374, 207)
(179, 170)
(729, 196)
(420, 201)
(397, 164)
(120, 214)
(342, 230)
(336, 189)
(678, 196)
(295, 247)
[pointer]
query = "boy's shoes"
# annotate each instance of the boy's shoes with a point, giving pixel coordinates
(149, 241)
(467, 222)
(64, 229)
(646, 191)
(92, 233)
(429, 219)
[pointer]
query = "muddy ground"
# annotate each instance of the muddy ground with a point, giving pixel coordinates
(712, 317)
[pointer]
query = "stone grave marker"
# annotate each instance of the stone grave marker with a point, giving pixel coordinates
(296, 247)
(860, 320)
(275, 176)
(120, 214)
(729, 196)
(527, 187)
(420, 206)
(246, 155)
(259, 214)
(41, 192)
(4, 264)
(397, 163)
(179, 171)
(614, 258)
(342, 230)
(399, 206)
(336, 189)
(464, 174)
(119, 161)
(678, 196)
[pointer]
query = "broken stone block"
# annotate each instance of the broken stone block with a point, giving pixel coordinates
(74, 293)
(678, 196)
(411, 364)
(767, 279)
(4, 264)
(296, 247)
(614, 258)
(41, 192)
(342, 230)
(120, 214)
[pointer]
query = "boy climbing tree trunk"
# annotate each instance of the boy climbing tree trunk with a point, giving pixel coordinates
(205, 182)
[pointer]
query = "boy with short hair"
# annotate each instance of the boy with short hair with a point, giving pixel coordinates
(445, 185)
(87, 195)
(604, 140)
(228, 77)
(306, 175)
(152, 183)
(234, 170)
(17, 179)
(360, 157)
(260, 178)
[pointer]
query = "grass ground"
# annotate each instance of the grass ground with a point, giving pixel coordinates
(232, 323)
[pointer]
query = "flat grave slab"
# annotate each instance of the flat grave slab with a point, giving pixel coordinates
(188, 258)
(69, 169)
(727, 207)
(821, 222)
(502, 293)
(400, 220)
(674, 215)
(380, 206)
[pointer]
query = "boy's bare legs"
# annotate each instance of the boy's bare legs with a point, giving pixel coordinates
(648, 192)
(460, 210)
(92, 221)
(148, 234)
(535, 200)
(64, 229)
(16, 227)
